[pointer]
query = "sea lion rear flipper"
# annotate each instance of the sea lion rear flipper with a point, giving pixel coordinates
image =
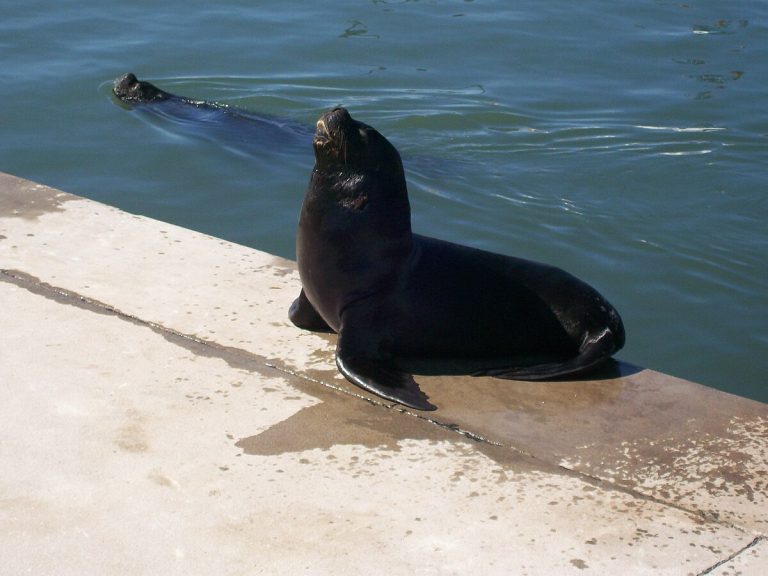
(357, 361)
(594, 351)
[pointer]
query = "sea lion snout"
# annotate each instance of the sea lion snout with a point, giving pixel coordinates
(332, 135)
(332, 123)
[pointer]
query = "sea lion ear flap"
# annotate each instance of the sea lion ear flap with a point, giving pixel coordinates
(360, 364)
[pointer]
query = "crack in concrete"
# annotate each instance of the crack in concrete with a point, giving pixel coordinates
(246, 360)
(733, 556)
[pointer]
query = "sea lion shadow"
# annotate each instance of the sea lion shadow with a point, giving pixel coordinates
(460, 395)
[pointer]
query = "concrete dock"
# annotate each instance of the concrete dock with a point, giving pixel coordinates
(161, 415)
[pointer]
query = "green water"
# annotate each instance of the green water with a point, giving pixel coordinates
(626, 142)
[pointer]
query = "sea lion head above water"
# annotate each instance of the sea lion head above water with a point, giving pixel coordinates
(131, 90)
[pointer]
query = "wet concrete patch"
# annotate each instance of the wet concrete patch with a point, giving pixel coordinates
(131, 436)
(24, 199)
(666, 439)
(339, 420)
(700, 471)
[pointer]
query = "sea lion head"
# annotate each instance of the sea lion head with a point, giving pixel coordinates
(344, 145)
(357, 190)
(130, 89)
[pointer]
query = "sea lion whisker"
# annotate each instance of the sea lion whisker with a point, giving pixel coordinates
(343, 149)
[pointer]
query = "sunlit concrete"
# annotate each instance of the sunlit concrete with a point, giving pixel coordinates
(160, 414)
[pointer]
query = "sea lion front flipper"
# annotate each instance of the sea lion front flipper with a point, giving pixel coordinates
(360, 363)
(304, 315)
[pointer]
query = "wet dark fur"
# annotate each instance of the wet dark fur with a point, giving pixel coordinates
(393, 295)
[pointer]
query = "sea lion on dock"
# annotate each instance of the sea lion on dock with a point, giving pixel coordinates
(392, 295)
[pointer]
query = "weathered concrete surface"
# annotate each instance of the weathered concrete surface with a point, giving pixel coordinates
(161, 415)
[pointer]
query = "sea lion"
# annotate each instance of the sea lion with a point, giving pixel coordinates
(241, 131)
(392, 295)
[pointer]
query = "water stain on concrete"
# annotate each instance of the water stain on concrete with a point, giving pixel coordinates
(580, 564)
(131, 436)
(353, 423)
(24, 199)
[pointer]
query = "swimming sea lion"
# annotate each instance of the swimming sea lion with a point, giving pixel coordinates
(239, 130)
(393, 295)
